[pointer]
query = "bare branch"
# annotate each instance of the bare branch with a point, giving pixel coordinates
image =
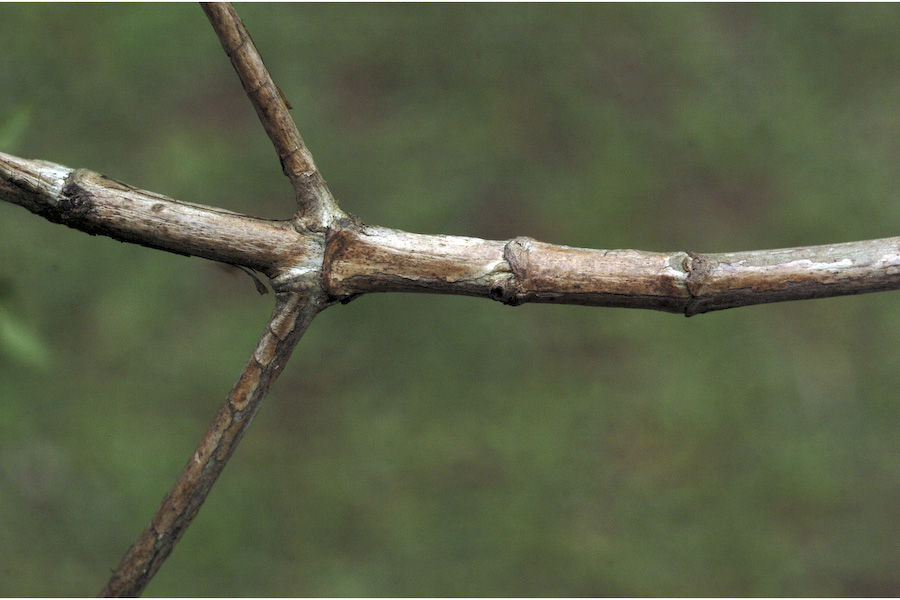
(293, 314)
(732, 279)
(322, 256)
(361, 259)
(316, 205)
(356, 259)
(91, 202)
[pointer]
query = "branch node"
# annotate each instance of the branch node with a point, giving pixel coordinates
(510, 291)
(75, 202)
(696, 268)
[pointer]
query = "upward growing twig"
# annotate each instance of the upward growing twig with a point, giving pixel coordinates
(315, 202)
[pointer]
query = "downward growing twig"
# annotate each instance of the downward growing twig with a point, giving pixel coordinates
(293, 314)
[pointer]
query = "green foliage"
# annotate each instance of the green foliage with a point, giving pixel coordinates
(12, 130)
(421, 445)
(21, 344)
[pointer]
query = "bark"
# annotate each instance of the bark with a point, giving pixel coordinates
(350, 258)
(314, 200)
(98, 205)
(293, 314)
(361, 259)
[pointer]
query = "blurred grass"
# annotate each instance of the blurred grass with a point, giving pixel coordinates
(425, 445)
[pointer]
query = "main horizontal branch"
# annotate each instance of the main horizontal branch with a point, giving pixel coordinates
(93, 203)
(361, 259)
(351, 258)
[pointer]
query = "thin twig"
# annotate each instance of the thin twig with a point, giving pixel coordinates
(293, 314)
(315, 202)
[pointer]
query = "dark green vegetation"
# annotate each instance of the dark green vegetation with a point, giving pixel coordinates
(431, 445)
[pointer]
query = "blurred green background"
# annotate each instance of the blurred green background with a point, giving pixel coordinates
(427, 445)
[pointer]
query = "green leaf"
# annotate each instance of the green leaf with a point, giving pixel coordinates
(22, 344)
(13, 128)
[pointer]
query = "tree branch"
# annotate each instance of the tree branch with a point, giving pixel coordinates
(354, 258)
(315, 202)
(361, 259)
(293, 314)
(93, 203)
(322, 256)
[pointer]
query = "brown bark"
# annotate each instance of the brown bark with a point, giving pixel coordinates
(293, 314)
(350, 258)
(360, 259)
(314, 200)
(98, 205)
